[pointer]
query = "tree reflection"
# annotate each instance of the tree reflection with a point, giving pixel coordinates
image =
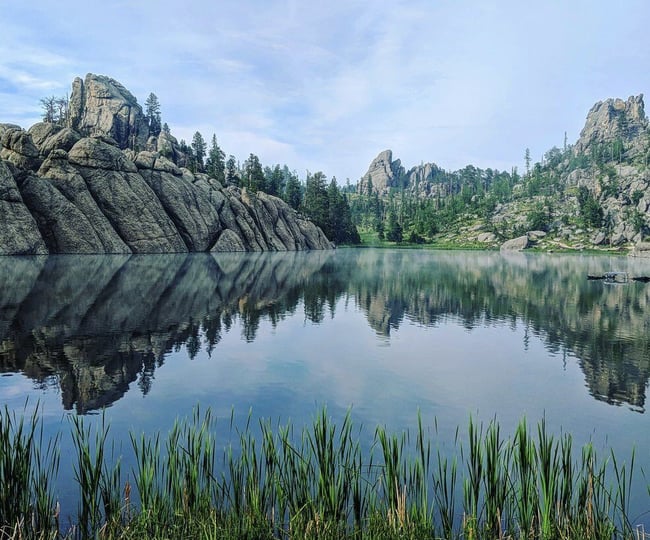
(97, 324)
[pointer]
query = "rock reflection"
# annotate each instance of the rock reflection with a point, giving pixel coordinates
(96, 325)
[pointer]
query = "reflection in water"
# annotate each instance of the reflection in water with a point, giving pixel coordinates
(93, 325)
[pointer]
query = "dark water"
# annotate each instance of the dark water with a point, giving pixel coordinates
(388, 333)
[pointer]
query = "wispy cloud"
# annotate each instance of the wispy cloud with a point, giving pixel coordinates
(330, 84)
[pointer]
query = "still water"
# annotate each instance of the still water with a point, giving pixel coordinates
(386, 333)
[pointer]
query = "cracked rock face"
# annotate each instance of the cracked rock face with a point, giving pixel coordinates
(101, 105)
(613, 119)
(85, 188)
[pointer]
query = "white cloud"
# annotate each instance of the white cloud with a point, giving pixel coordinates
(334, 83)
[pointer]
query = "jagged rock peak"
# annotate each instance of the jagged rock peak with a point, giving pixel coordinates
(613, 119)
(383, 173)
(100, 105)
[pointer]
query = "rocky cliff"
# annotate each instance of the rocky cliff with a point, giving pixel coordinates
(384, 174)
(98, 186)
(593, 194)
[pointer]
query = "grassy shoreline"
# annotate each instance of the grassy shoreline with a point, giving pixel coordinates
(285, 481)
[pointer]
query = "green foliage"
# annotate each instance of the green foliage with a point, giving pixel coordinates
(152, 114)
(315, 481)
(316, 202)
(637, 219)
(637, 195)
(232, 175)
(415, 238)
(339, 227)
(199, 147)
(293, 191)
(28, 469)
(539, 217)
(591, 213)
(394, 230)
(274, 179)
(253, 174)
(215, 165)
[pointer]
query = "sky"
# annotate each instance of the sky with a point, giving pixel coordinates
(327, 85)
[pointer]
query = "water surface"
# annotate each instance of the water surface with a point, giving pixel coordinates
(387, 333)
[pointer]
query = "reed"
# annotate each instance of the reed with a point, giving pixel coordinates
(280, 482)
(28, 466)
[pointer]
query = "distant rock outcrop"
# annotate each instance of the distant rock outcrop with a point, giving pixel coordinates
(593, 193)
(612, 120)
(384, 174)
(93, 188)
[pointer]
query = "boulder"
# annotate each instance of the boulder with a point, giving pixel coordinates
(599, 239)
(19, 234)
(516, 244)
(48, 137)
(101, 105)
(96, 153)
(17, 147)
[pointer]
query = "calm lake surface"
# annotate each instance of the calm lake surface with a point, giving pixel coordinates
(385, 332)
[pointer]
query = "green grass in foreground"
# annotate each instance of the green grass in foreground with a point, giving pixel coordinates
(315, 482)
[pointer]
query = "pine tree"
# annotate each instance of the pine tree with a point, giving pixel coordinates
(199, 148)
(232, 175)
(215, 164)
(339, 227)
(316, 205)
(394, 233)
(254, 174)
(274, 180)
(293, 191)
(152, 113)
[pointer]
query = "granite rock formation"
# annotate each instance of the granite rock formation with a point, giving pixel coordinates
(611, 120)
(93, 187)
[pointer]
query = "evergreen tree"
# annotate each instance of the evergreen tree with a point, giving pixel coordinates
(339, 227)
(190, 159)
(274, 180)
(152, 113)
(394, 233)
(232, 175)
(199, 147)
(254, 174)
(215, 165)
(316, 205)
(293, 191)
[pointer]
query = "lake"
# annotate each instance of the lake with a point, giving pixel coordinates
(385, 333)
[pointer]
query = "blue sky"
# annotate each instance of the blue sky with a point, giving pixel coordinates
(328, 85)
